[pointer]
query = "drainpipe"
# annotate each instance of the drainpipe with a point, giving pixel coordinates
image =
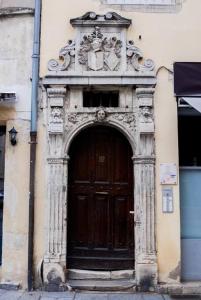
(33, 138)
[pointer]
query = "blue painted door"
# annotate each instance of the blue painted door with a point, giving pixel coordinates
(190, 195)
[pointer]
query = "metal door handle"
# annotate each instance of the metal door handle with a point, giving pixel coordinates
(102, 193)
(131, 212)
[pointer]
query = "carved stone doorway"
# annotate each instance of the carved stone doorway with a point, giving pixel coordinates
(118, 67)
(100, 198)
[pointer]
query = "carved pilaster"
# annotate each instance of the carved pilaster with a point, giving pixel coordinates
(55, 255)
(56, 109)
(144, 171)
(144, 219)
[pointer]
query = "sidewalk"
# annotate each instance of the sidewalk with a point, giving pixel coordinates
(20, 295)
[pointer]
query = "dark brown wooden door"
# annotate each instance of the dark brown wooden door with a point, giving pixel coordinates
(100, 227)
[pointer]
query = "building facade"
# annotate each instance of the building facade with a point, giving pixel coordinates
(107, 178)
(16, 18)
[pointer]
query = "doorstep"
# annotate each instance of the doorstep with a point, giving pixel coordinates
(103, 285)
(100, 275)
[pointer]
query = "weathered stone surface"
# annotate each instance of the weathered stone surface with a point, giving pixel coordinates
(84, 274)
(102, 285)
(124, 274)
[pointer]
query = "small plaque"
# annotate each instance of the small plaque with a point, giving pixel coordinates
(167, 196)
(168, 173)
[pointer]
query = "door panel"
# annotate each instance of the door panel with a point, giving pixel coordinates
(190, 190)
(100, 228)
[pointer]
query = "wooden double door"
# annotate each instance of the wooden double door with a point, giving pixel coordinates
(100, 198)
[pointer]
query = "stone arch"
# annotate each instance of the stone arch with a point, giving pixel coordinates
(119, 127)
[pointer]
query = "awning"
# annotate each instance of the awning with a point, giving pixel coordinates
(187, 79)
(195, 102)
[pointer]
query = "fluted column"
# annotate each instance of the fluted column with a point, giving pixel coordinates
(56, 228)
(144, 172)
(57, 168)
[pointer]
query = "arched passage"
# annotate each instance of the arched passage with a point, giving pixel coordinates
(100, 198)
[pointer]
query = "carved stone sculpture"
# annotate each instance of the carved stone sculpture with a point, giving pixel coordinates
(134, 55)
(146, 115)
(99, 52)
(101, 115)
(66, 54)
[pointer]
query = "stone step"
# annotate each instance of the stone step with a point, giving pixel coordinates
(100, 275)
(102, 285)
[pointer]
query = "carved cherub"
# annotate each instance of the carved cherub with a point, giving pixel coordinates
(146, 115)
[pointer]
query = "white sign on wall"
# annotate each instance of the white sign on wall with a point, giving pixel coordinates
(168, 173)
(143, 2)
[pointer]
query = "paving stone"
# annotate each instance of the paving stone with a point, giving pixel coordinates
(2, 292)
(57, 295)
(152, 297)
(11, 295)
(166, 297)
(83, 296)
(125, 297)
(31, 296)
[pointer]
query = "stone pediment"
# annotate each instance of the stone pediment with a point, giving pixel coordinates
(101, 46)
(109, 19)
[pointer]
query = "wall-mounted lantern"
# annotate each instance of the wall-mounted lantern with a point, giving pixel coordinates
(13, 134)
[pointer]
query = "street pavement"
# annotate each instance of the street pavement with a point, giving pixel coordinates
(20, 295)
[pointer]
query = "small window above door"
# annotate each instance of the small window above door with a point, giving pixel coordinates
(103, 98)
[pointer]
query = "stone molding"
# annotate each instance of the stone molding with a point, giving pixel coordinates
(110, 19)
(13, 11)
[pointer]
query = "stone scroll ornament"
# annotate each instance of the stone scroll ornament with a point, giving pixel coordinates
(100, 53)
(66, 56)
(134, 56)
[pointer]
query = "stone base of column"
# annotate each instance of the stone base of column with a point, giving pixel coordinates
(54, 276)
(146, 276)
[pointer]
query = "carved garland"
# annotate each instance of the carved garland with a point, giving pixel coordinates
(101, 115)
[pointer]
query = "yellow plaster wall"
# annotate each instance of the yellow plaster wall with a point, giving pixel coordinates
(15, 72)
(166, 37)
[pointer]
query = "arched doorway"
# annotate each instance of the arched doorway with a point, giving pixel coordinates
(100, 198)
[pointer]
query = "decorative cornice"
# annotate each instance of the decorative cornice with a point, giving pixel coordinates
(12, 11)
(108, 19)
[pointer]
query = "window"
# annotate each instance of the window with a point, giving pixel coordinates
(97, 99)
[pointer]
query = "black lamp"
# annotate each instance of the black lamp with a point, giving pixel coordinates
(13, 134)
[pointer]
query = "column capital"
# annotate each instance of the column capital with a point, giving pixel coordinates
(144, 92)
(58, 160)
(144, 160)
(56, 92)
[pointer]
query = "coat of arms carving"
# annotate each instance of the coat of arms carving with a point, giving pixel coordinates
(99, 52)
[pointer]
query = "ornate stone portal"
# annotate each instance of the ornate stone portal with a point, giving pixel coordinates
(102, 59)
